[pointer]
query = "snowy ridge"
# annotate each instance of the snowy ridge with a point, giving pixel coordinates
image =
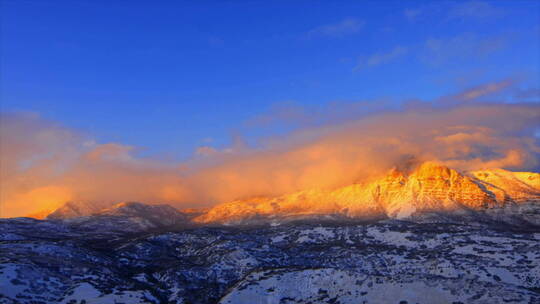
(76, 209)
(429, 188)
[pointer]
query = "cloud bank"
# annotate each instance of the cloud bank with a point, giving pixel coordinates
(44, 164)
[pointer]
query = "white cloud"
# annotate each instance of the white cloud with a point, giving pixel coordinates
(345, 27)
(473, 10)
(463, 10)
(465, 46)
(383, 57)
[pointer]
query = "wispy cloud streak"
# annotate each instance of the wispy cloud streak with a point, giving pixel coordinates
(343, 28)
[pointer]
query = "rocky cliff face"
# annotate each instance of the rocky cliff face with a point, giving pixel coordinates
(430, 187)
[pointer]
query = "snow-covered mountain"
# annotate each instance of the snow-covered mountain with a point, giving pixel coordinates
(427, 235)
(77, 208)
(160, 213)
(429, 188)
(131, 217)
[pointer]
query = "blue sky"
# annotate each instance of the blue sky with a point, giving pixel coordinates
(171, 76)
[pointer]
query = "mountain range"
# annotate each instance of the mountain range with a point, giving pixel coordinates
(429, 234)
(430, 188)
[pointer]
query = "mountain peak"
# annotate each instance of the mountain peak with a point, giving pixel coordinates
(427, 169)
(157, 215)
(430, 187)
(73, 209)
(434, 169)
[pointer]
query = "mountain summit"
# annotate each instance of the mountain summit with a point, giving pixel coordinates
(431, 187)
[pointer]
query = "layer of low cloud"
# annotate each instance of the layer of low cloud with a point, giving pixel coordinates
(44, 164)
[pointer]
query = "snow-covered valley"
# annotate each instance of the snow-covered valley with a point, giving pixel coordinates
(390, 261)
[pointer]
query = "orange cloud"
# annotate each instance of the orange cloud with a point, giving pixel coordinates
(46, 198)
(46, 164)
